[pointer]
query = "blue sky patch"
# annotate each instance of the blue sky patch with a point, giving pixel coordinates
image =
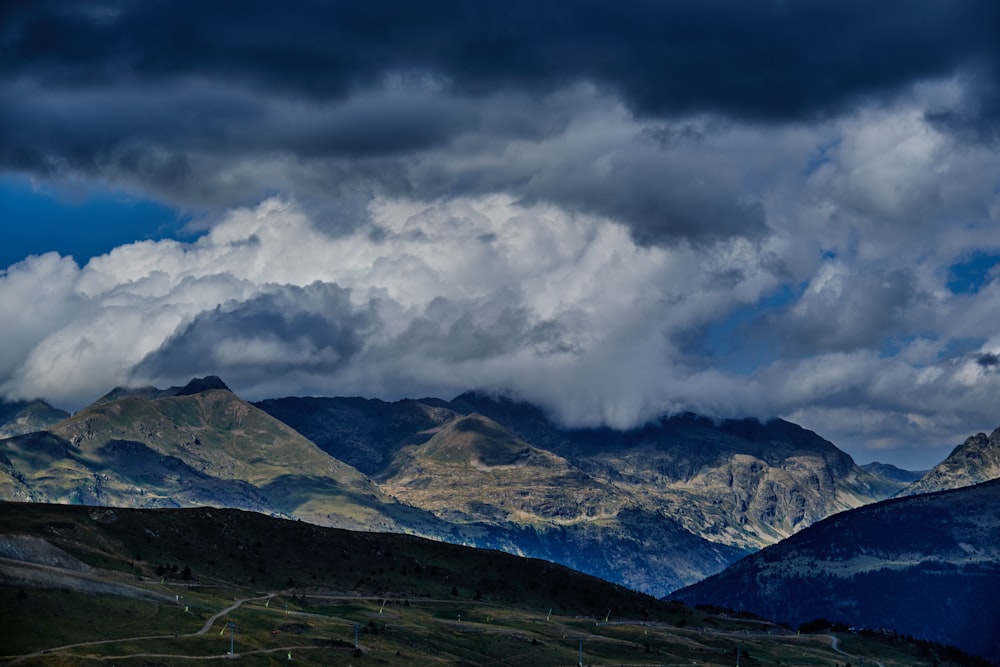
(81, 223)
(969, 276)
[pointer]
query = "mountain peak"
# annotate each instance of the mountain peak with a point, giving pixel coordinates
(974, 461)
(21, 417)
(149, 392)
(198, 385)
(894, 473)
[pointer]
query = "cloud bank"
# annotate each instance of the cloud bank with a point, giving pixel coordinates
(614, 210)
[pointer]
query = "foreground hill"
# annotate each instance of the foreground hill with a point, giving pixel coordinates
(925, 565)
(171, 585)
(975, 460)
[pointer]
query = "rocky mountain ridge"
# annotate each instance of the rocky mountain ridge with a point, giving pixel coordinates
(888, 471)
(734, 482)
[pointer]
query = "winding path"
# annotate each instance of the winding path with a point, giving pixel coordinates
(835, 645)
(204, 629)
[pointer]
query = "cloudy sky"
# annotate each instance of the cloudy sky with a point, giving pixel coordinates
(615, 209)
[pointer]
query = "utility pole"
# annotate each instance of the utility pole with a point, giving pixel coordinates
(738, 647)
(580, 660)
(232, 635)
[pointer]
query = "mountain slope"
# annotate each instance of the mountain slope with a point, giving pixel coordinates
(736, 482)
(925, 565)
(474, 468)
(365, 433)
(975, 460)
(165, 584)
(196, 446)
(518, 498)
(655, 508)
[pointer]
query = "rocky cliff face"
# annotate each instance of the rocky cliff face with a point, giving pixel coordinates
(974, 461)
(737, 482)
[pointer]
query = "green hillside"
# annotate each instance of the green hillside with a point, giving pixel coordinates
(927, 565)
(166, 583)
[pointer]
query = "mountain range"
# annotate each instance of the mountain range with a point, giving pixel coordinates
(742, 483)
(651, 507)
(654, 508)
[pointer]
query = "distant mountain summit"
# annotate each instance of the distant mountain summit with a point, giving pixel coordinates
(891, 472)
(20, 417)
(149, 392)
(974, 461)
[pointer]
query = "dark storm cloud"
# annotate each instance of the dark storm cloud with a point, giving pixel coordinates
(845, 311)
(316, 331)
(661, 197)
(283, 331)
(988, 360)
(457, 332)
(771, 59)
(211, 105)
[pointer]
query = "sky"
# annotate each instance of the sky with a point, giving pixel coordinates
(615, 210)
